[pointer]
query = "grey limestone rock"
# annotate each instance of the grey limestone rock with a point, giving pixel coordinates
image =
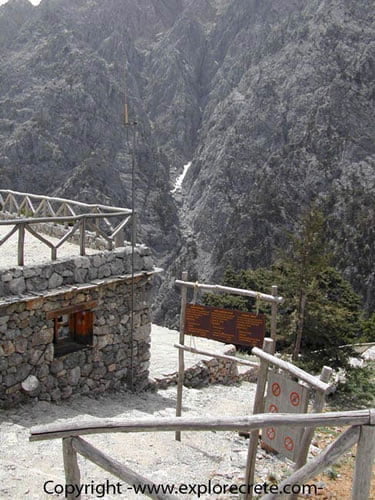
(272, 102)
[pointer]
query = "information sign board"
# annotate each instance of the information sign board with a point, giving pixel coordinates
(284, 396)
(225, 325)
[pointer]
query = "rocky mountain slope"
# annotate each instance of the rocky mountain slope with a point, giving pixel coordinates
(272, 101)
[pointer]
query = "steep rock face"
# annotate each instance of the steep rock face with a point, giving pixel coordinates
(62, 99)
(12, 17)
(290, 124)
(271, 100)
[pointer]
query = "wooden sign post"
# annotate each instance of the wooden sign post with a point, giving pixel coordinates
(181, 360)
(223, 325)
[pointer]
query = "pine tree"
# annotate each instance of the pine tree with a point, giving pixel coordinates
(307, 259)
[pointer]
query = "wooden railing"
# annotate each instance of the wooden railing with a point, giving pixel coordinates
(360, 432)
(28, 209)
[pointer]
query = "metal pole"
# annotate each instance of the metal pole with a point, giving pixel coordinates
(133, 236)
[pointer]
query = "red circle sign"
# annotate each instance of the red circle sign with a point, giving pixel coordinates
(295, 398)
(289, 443)
(276, 389)
(273, 409)
(271, 433)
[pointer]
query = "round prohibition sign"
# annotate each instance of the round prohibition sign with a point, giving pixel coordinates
(289, 443)
(271, 433)
(276, 389)
(273, 409)
(295, 398)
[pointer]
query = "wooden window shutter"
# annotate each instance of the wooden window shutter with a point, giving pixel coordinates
(83, 327)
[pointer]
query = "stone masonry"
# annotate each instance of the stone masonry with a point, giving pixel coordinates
(28, 295)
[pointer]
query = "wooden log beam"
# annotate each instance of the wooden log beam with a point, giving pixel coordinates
(308, 433)
(72, 473)
(116, 468)
(219, 356)
(38, 220)
(64, 200)
(6, 237)
(39, 237)
(246, 423)
(292, 369)
(227, 289)
(327, 458)
(268, 346)
(181, 360)
(21, 244)
(274, 314)
(364, 463)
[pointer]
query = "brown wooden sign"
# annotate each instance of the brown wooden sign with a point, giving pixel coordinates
(225, 325)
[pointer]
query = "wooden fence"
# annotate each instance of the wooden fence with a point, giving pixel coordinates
(360, 432)
(30, 210)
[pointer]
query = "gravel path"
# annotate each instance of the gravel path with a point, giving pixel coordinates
(164, 356)
(25, 467)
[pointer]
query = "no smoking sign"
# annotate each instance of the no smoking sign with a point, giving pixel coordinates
(295, 398)
(289, 443)
(271, 433)
(276, 389)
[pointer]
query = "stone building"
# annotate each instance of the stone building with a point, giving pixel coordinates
(66, 325)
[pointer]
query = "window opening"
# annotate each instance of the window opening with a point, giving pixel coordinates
(73, 331)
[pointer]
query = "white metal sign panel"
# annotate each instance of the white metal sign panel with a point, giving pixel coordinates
(284, 396)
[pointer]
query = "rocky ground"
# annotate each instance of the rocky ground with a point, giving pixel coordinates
(25, 467)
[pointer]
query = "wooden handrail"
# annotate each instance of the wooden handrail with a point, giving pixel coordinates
(68, 218)
(62, 200)
(48, 212)
(239, 361)
(227, 289)
(362, 431)
(57, 431)
(292, 369)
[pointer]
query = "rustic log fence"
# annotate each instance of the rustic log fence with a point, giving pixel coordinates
(29, 210)
(360, 432)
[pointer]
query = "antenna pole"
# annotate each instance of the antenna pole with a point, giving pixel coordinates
(132, 125)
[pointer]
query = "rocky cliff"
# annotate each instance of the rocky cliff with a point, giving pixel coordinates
(272, 101)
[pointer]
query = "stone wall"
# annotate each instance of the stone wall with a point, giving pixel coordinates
(68, 271)
(28, 366)
(211, 371)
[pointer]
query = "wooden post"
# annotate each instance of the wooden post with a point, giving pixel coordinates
(268, 346)
(72, 474)
(274, 315)
(119, 239)
(21, 244)
(181, 360)
(82, 246)
(363, 464)
(309, 431)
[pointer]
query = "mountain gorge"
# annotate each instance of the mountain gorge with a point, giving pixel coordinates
(272, 102)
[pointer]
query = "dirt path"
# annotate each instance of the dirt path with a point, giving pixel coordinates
(25, 467)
